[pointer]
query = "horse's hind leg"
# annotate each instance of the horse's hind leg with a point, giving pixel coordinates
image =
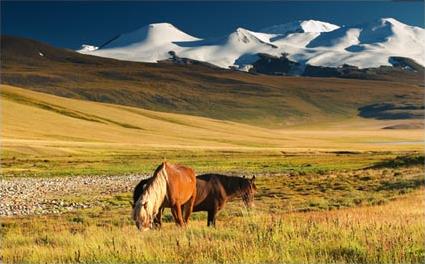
(176, 210)
(188, 209)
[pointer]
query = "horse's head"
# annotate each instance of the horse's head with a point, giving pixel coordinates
(140, 216)
(248, 189)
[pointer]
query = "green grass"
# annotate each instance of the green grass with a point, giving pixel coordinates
(310, 192)
(108, 162)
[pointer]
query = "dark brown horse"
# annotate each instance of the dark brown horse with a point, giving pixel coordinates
(171, 185)
(212, 192)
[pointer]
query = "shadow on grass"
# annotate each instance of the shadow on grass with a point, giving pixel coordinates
(402, 185)
(400, 161)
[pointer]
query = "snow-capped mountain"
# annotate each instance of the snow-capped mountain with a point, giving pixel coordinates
(308, 42)
(148, 44)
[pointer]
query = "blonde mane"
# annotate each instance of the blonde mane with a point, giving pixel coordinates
(149, 203)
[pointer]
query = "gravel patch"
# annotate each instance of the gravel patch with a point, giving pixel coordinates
(32, 196)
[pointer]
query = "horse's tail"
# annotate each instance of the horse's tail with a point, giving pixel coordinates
(148, 205)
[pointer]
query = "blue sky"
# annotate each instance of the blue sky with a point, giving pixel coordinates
(70, 24)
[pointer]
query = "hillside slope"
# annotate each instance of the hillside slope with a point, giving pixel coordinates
(38, 116)
(29, 116)
(269, 101)
(46, 135)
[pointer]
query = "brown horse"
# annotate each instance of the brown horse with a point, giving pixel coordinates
(213, 191)
(171, 185)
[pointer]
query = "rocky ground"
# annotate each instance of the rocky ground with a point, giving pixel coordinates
(31, 196)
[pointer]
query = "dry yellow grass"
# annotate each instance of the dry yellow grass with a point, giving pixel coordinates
(43, 134)
(391, 233)
(42, 120)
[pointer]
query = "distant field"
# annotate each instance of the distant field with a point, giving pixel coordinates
(47, 135)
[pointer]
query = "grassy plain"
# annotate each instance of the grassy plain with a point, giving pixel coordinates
(340, 191)
(45, 135)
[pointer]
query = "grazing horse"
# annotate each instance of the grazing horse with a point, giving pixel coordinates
(215, 190)
(212, 192)
(172, 185)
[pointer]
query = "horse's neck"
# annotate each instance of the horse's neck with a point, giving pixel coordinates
(232, 190)
(155, 192)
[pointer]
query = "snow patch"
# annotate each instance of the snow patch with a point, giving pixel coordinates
(86, 47)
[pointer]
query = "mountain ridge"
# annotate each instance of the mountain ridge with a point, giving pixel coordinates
(308, 43)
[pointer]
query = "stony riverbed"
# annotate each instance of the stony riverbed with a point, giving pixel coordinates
(32, 196)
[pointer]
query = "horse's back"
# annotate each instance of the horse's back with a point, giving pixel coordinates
(206, 177)
(181, 170)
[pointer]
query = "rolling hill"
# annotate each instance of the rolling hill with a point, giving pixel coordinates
(200, 89)
(37, 121)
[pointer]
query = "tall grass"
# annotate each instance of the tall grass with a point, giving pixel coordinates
(391, 233)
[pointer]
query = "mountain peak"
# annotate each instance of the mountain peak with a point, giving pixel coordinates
(386, 22)
(390, 20)
(162, 25)
(242, 30)
(152, 33)
(300, 26)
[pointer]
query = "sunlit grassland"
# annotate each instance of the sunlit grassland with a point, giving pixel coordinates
(373, 176)
(45, 135)
(100, 161)
(389, 233)
(300, 191)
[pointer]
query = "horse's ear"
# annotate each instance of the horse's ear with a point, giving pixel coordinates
(244, 177)
(253, 178)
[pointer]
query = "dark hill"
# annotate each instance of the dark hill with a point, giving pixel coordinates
(194, 88)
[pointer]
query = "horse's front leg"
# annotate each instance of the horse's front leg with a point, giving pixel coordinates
(212, 216)
(158, 218)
